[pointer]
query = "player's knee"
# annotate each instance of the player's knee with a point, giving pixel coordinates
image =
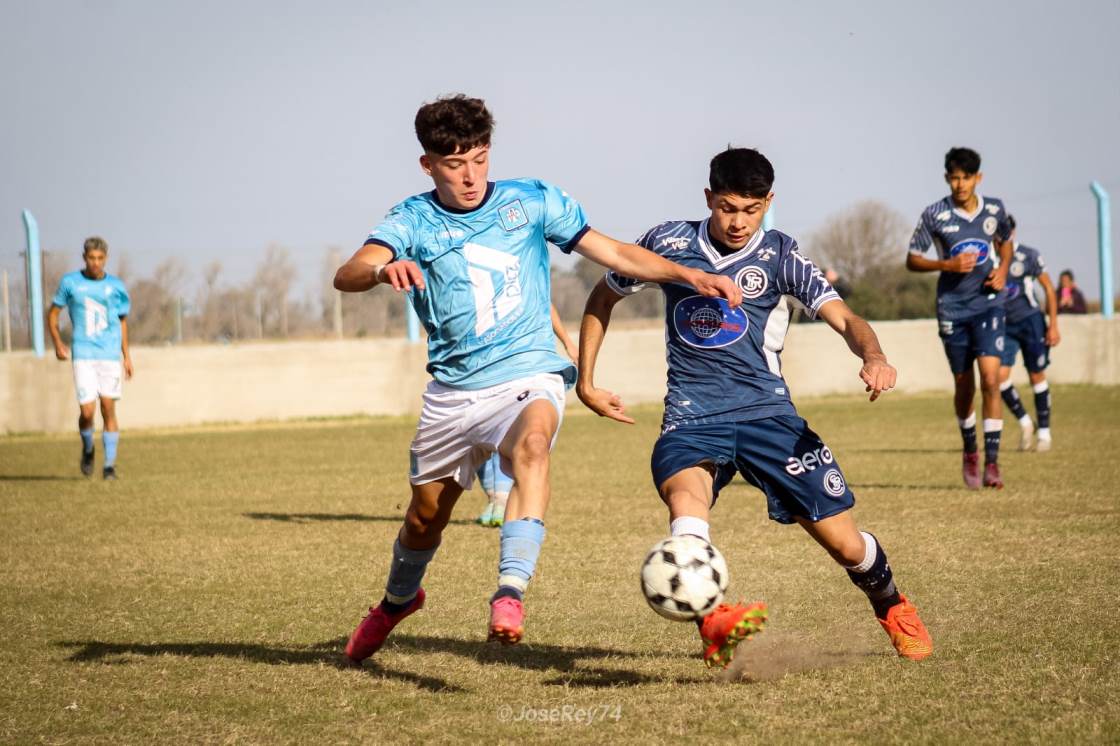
(421, 523)
(849, 550)
(533, 448)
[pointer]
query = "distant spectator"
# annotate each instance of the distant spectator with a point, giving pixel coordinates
(1070, 299)
(842, 287)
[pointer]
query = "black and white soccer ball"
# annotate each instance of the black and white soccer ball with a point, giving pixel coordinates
(684, 578)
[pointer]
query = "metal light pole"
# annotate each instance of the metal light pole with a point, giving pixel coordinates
(1104, 246)
(34, 282)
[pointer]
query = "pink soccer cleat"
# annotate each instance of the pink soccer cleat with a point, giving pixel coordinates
(371, 633)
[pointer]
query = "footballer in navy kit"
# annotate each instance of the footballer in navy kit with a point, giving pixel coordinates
(1029, 332)
(728, 409)
(473, 257)
(971, 236)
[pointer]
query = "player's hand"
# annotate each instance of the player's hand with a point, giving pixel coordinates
(963, 262)
(1052, 336)
(717, 286)
(604, 403)
(997, 280)
(879, 375)
(62, 352)
(127, 368)
(572, 352)
(401, 274)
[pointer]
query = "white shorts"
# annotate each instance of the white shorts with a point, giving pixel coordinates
(97, 378)
(459, 429)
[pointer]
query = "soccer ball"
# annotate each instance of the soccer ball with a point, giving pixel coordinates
(684, 577)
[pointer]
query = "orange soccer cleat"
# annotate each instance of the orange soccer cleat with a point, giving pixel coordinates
(726, 627)
(908, 635)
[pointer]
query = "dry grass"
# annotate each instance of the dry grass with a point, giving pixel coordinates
(206, 596)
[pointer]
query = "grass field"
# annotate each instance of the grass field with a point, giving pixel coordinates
(207, 596)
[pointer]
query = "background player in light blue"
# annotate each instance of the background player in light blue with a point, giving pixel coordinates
(1029, 332)
(972, 238)
(727, 407)
(495, 482)
(98, 305)
(473, 257)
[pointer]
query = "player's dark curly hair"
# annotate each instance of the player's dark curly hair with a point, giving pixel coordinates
(962, 159)
(741, 171)
(453, 124)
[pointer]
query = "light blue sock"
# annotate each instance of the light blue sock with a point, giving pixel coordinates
(87, 440)
(406, 573)
(521, 546)
(109, 441)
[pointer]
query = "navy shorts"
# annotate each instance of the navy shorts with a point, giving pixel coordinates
(977, 336)
(1028, 334)
(779, 455)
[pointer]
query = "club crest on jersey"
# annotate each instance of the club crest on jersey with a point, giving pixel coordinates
(1017, 269)
(513, 215)
(1013, 290)
(990, 225)
(752, 281)
(708, 323)
(971, 246)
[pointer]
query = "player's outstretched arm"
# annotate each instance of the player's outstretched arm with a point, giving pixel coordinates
(60, 349)
(1052, 335)
(876, 373)
(126, 358)
(562, 334)
(592, 330)
(373, 265)
(960, 263)
(631, 260)
(997, 278)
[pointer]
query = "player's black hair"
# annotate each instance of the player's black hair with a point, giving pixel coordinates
(1011, 222)
(741, 171)
(962, 159)
(453, 124)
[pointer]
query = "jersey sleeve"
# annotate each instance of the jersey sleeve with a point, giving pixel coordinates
(922, 239)
(124, 302)
(62, 295)
(628, 285)
(395, 233)
(1038, 266)
(1003, 227)
(564, 221)
(800, 278)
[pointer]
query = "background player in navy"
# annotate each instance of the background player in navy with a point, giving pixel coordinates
(728, 409)
(473, 256)
(98, 305)
(1028, 331)
(972, 239)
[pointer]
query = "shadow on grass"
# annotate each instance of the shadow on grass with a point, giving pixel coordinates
(311, 517)
(923, 487)
(324, 653)
(902, 450)
(39, 478)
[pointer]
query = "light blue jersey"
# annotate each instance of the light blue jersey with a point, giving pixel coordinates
(486, 271)
(96, 308)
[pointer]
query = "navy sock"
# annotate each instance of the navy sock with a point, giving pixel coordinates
(405, 574)
(968, 433)
(1013, 402)
(993, 429)
(873, 576)
(1042, 404)
(507, 591)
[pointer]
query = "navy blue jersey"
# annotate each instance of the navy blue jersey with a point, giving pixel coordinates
(951, 231)
(724, 363)
(1026, 265)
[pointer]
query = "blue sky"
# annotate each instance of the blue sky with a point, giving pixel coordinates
(208, 130)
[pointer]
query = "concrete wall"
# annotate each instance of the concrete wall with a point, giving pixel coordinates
(251, 382)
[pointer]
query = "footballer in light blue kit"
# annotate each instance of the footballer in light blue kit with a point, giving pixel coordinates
(1028, 331)
(472, 255)
(970, 235)
(727, 408)
(98, 305)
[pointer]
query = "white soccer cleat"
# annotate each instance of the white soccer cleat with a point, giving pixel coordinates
(1026, 435)
(1044, 444)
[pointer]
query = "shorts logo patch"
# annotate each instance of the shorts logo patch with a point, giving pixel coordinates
(834, 483)
(752, 281)
(708, 323)
(1042, 360)
(972, 246)
(999, 343)
(990, 224)
(796, 466)
(513, 215)
(523, 396)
